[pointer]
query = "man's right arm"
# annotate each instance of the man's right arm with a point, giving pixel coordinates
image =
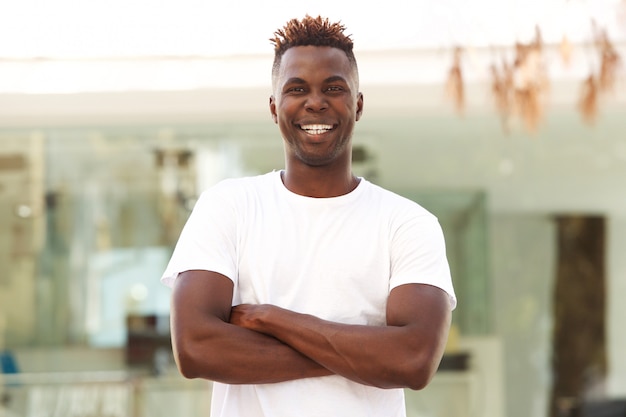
(207, 346)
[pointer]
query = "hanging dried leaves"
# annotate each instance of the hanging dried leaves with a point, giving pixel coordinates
(502, 90)
(529, 107)
(588, 103)
(454, 84)
(595, 86)
(530, 81)
(609, 60)
(565, 50)
(518, 88)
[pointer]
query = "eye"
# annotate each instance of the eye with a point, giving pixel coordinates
(295, 90)
(334, 88)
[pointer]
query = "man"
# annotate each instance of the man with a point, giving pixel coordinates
(309, 291)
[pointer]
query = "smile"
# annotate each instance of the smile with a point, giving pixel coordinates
(316, 129)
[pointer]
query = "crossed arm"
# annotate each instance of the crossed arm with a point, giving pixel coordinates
(254, 344)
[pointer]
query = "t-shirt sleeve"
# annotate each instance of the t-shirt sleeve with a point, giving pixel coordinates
(207, 241)
(419, 255)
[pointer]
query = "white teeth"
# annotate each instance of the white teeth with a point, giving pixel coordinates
(316, 129)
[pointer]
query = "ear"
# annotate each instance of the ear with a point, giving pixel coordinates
(273, 109)
(359, 106)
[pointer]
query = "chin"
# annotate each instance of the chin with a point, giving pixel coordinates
(316, 162)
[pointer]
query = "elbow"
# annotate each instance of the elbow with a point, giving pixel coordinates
(414, 375)
(419, 382)
(189, 372)
(187, 360)
(185, 364)
(420, 374)
(194, 361)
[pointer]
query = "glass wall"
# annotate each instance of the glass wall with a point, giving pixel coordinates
(89, 219)
(90, 215)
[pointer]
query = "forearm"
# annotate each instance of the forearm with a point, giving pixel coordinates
(403, 353)
(207, 346)
(370, 355)
(230, 354)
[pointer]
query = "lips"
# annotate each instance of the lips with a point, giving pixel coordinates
(316, 129)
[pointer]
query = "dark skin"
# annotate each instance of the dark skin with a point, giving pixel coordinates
(316, 104)
(317, 86)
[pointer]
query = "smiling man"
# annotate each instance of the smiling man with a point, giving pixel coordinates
(309, 291)
(321, 81)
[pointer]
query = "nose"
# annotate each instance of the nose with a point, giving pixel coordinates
(316, 102)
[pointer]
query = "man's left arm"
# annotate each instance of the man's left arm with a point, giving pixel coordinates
(403, 354)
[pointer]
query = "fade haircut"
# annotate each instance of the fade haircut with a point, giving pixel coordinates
(311, 31)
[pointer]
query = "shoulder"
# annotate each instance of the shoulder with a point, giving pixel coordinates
(232, 194)
(240, 187)
(396, 204)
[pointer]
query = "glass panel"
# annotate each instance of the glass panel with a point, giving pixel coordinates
(22, 225)
(462, 215)
(90, 217)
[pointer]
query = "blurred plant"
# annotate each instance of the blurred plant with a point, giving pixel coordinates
(595, 86)
(565, 49)
(530, 81)
(502, 90)
(609, 59)
(518, 88)
(454, 84)
(588, 103)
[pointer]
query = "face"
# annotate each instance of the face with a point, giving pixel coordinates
(316, 105)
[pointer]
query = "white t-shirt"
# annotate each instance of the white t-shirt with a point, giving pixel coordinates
(335, 258)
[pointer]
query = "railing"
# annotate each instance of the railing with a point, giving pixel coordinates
(101, 394)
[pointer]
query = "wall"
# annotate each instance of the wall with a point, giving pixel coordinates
(616, 384)
(418, 143)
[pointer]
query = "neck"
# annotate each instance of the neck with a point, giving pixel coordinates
(319, 182)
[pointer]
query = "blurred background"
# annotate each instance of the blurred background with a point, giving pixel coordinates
(506, 119)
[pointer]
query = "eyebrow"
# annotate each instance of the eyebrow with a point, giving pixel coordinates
(335, 78)
(332, 79)
(295, 80)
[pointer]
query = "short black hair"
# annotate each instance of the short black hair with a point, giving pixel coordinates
(311, 31)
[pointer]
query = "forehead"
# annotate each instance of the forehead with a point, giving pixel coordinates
(315, 61)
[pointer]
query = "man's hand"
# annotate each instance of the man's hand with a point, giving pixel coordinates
(250, 316)
(404, 353)
(255, 344)
(207, 346)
